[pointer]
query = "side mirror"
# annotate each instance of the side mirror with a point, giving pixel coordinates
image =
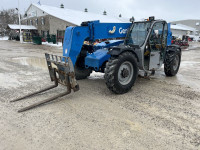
(132, 19)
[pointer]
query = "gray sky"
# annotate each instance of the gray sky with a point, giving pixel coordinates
(169, 10)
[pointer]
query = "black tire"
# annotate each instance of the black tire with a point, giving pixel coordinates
(80, 71)
(112, 72)
(172, 65)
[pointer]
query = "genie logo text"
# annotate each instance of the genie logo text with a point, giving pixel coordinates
(122, 31)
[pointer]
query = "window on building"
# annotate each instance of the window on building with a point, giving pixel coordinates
(36, 22)
(43, 21)
(31, 22)
(45, 34)
(60, 33)
(26, 22)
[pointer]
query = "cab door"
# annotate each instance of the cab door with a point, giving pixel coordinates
(157, 44)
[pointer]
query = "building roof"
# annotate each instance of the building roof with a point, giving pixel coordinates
(182, 27)
(23, 27)
(186, 20)
(77, 17)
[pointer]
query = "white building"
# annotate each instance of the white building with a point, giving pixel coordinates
(179, 30)
(193, 23)
(54, 20)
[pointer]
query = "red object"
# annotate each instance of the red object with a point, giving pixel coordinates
(189, 39)
(181, 43)
(43, 40)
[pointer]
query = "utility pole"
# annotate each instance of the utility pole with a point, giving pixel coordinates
(20, 30)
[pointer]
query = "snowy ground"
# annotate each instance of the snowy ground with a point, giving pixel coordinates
(159, 114)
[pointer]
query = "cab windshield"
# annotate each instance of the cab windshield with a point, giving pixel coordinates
(137, 33)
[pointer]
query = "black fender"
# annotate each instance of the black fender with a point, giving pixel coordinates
(173, 48)
(116, 51)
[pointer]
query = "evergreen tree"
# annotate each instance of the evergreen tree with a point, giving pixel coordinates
(61, 6)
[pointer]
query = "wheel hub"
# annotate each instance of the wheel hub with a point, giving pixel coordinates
(125, 73)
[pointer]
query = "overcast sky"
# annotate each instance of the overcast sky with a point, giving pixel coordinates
(169, 10)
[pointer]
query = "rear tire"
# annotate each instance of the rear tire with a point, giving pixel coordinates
(172, 63)
(121, 72)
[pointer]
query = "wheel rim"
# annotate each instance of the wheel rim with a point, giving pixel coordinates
(125, 73)
(176, 62)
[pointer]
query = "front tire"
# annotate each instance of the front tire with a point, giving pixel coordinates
(80, 71)
(172, 63)
(121, 72)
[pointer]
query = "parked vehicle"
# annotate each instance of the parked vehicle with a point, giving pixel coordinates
(146, 46)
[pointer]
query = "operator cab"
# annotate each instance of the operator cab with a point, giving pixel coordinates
(149, 40)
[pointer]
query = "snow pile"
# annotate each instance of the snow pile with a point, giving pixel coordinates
(4, 38)
(96, 75)
(59, 44)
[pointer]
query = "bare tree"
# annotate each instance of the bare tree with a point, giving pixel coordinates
(9, 16)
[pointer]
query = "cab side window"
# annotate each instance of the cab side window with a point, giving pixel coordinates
(156, 37)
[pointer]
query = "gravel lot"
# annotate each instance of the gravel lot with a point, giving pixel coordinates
(160, 114)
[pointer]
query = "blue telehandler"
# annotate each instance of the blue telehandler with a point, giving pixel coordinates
(144, 45)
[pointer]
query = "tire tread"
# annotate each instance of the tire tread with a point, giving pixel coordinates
(110, 71)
